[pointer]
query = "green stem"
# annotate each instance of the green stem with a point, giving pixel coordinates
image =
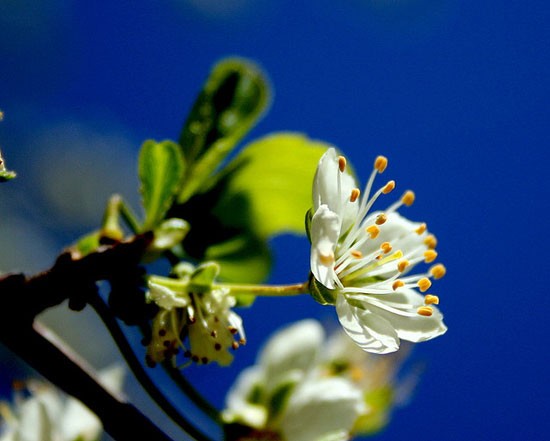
(129, 217)
(265, 290)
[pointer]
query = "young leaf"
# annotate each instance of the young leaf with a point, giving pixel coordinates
(161, 167)
(233, 98)
(271, 180)
(244, 259)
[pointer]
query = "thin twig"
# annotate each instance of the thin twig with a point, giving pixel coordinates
(138, 370)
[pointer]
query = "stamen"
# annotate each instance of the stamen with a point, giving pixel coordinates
(235, 345)
(355, 193)
(408, 198)
(373, 230)
(424, 284)
(326, 259)
(421, 229)
(430, 241)
(397, 284)
(381, 219)
(388, 187)
(356, 253)
(430, 256)
(380, 163)
(402, 265)
(426, 311)
(431, 299)
(438, 271)
(342, 163)
(386, 247)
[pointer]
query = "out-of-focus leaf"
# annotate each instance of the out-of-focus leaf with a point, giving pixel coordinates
(243, 259)
(89, 243)
(271, 181)
(160, 168)
(380, 402)
(233, 98)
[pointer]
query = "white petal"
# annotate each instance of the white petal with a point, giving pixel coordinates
(371, 332)
(416, 328)
(325, 230)
(238, 407)
(165, 297)
(325, 183)
(294, 348)
(35, 423)
(322, 408)
(79, 422)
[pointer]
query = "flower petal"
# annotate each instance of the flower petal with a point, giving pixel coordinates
(325, 230)
(371, 332)
(326, 190)
(239, 400)
(416, 328)
(322, 408)
(294, 348)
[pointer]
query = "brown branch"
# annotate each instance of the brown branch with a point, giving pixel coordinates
(23, 298)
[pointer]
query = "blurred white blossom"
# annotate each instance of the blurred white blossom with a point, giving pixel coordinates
(47, 414)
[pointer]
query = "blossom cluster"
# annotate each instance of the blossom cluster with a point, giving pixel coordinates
(305, 387)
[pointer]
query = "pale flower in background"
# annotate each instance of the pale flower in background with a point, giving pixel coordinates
(50, 415)
(363, 258)
(283, 393)
(383, 386)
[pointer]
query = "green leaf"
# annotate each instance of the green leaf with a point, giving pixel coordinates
(279, 399)
(243, 259)
(161, 168)
(233, 98)
(271, 181)
(204, 276)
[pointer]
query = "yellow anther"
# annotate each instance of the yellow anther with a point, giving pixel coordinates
(355, 193)
(386, 247)
(438, 271)
(342, 163)
(430, 241)
(356, 253)
(421, 228)
(426, 311)
(397, 284)
(373, 230)
(430, 256)
(356, 373)
(388, 187)
(408, 198)
(326, 259)
(424, 284)
(431, 299)
(381, 219)
(380, 163)
(402, 265)
(1, 115)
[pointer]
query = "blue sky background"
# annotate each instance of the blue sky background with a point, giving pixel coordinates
(454, 93)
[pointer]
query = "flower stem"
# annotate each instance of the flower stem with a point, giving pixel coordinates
(265, 290)
(141, 375)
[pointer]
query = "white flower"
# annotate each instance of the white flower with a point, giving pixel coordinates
(50, 415)
(283, 392)
(377, 376)
(190, 306)
(365, 257)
